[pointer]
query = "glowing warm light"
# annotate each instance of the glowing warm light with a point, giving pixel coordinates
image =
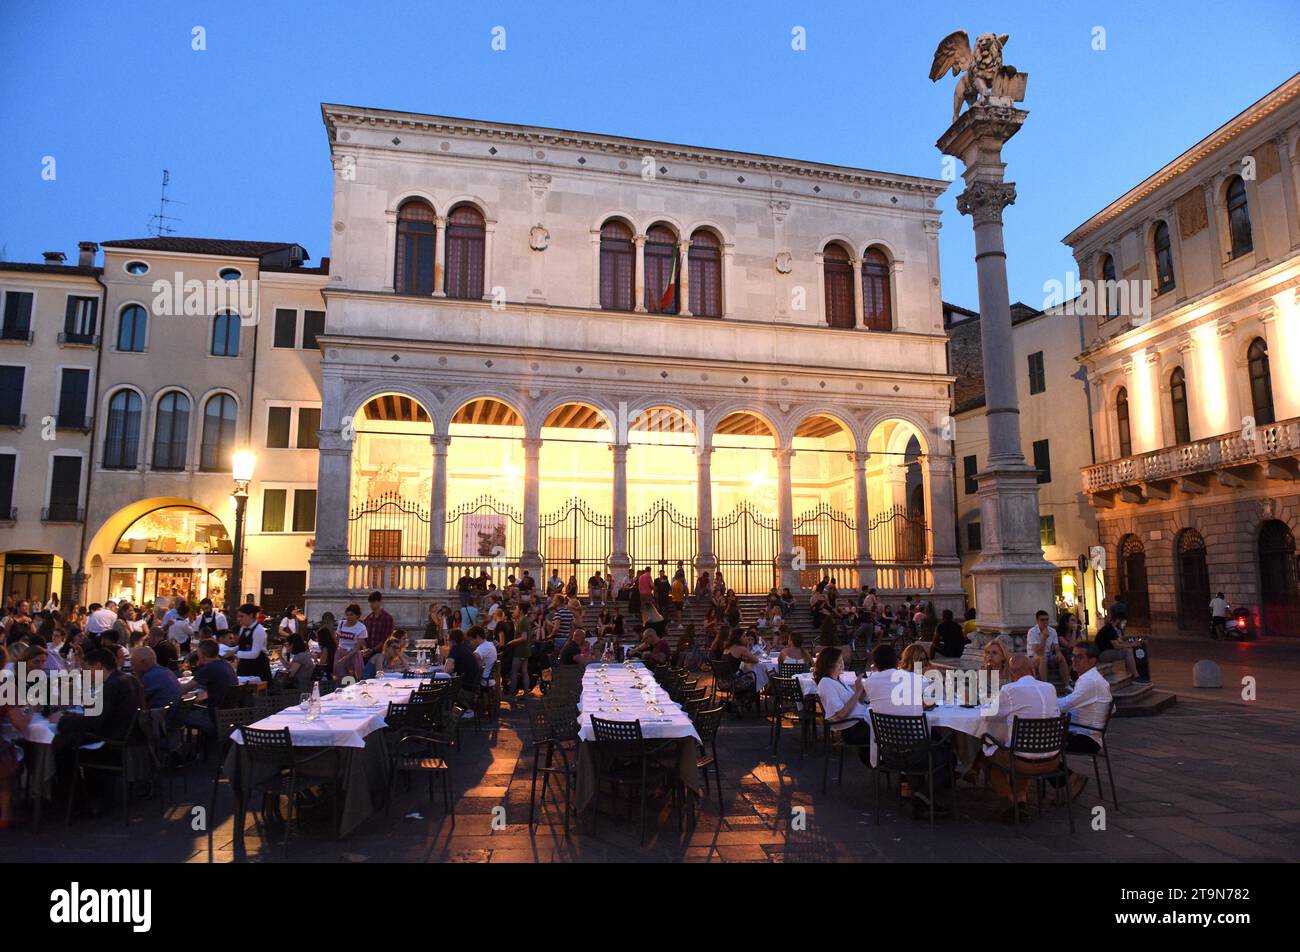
(1211, 383)
(1143, 402)
(1286, 338)
(757, 478)
(242, 465)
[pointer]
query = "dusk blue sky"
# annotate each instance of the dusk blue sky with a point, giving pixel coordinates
(116, 94)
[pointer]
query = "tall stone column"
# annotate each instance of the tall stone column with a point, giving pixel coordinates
(1012, 579)
(531, 558)
(620, 563)
(862, 518)
(706, 561)
(439, 255)
(859, 310)
(436, 572)
(785, 509)
(329, 558)
(945, 565)
(684, 280)
(638, 281)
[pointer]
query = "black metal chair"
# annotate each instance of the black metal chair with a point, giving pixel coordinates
(900, 740)
(546, 748)
(274, 770)
(787, 705)
(624, 758)
(836, 745)
(707, 722)
(228, 721)
(423, 731)
(127, 758)
(1037, 752)
(1104, 754)
(788, 669)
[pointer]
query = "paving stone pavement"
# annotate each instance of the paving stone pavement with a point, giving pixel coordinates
(1208, 780)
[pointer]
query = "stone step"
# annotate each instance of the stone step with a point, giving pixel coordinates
(1150, 703)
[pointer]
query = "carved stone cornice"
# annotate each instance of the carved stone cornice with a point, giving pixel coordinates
(984, 201)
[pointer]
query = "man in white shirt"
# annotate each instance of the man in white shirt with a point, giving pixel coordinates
(100, 620)
(1089, 707)
(1219, 609)
(1041, 642)
(486, 651)
(209, 616)
(1027, 698)
(899, 692)
(181, 630)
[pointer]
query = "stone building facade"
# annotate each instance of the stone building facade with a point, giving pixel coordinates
(1190, 344)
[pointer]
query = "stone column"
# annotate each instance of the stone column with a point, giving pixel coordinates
(862, 518)
(531, 558)
(620, 563)
(728, 264)
(489, 236)
(1012, 579)
(439, 255)
(684, 279)
(858, 311)
(706, 561)
(638, 289)
(1289, 164)
(436, 569)
(1258, 233)
(390, 250)
(945, 565)
(1215, 211)
(1170, 216)
(329, 558)
(785, 509)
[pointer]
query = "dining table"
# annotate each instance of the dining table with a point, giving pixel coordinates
(351, 723)
(627, 691)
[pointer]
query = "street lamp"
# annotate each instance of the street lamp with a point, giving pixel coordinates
(242, 469)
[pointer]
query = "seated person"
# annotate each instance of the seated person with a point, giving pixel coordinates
(160, 685)
(901, 692)
(949, 638)
(652, 650)
(392, 658)
(740, 647)
(916, 656)
(1025, 697)
(1089, 708)
(462, 660)
(577, 651)
(301, 669)
(794, 651)
(842, 705)
(1113, 646)
(215, 683)
(1041, 644)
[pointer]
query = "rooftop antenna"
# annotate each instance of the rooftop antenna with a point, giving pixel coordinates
(158, 223)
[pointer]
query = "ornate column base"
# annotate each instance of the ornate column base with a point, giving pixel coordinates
(867, 572)
(787, 573)
(945, 586)
(705, 563)
(531, 562)
(435, 576)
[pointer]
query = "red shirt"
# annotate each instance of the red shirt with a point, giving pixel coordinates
(379, 626)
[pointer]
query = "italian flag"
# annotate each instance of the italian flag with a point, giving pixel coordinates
(670, 292)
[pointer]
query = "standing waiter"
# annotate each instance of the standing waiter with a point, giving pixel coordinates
(251, 650)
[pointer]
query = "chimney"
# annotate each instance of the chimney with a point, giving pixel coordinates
(86, 254)
(55, 257)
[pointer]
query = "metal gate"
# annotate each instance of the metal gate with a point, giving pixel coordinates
(388, 539)
(484, 534)
(661, 537)
(746, 544)
(829, 542)
(576, 541)
(899, 535)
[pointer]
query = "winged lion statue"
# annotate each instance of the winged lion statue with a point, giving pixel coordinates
(982, 72)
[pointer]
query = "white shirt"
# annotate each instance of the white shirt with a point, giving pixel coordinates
(1025, 698)
(1088, 704)
(1036, 638)
(101, 619)
(181, 630)
(898, 692)
(217, 619)
(349, 635)
(259, 643)
(834, 694)
(1219, 607)
(289, 625)
(487, 659)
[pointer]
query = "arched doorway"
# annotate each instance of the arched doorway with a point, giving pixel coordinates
(1133, 580)
(575, 498)
(825, 504)
(662, 499)
(1278, 594)
(746, 528)
(486, 471)
(1193, 580)
(898, 532)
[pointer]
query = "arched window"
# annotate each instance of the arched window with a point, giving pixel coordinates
(171, 430)
(132, 325)
(466, 236)
(662, 282)
(415, 238)
(1109, 287)
(705, 262)
(1238, 217)
(1261, 382)
(1178, 401)
(122, 438)
(225, 335)
(617, 267)
(839, 287)
(1121, 423)
(877, 310)
(219, 418)
(1164, 258)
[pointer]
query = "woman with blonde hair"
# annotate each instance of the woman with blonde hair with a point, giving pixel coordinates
(917, 653)
(997, 659)
(394, 657)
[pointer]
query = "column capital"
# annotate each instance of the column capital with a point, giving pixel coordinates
(619, 449)
(858, 457)
(638, 240)
(984, 200)
(783, 455)
(532, 442)
(440, 221)
(440, 441)
(332, 442)
(703, 452)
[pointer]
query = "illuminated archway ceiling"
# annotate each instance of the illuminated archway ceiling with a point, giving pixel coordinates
(662, 420)
(818, 426)
(488, 411)
(576, 416)
(395, 408)
(743, 424)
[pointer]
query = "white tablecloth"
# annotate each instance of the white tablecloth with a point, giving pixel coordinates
(347, 716)
(628, 692)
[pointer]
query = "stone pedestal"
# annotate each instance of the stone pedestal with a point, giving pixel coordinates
(1012, 579)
